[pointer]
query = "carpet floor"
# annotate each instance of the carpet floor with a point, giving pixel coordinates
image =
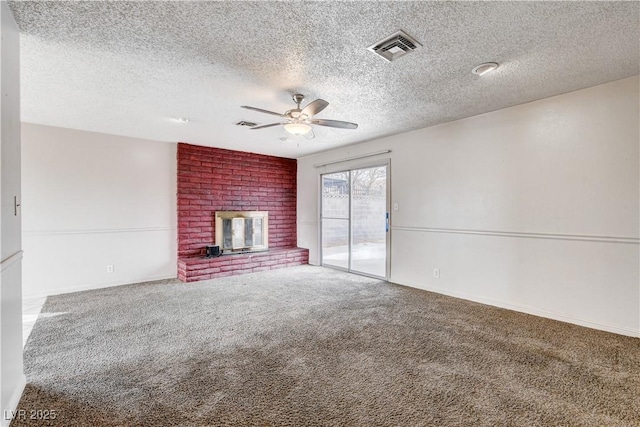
(310, 346)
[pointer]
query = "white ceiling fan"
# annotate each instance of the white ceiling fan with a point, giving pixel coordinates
(298, 121)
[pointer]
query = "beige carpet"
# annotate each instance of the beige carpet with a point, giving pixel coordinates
(309, 346)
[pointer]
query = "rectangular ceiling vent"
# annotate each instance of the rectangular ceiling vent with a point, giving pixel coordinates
(396, 45)
(245, 123)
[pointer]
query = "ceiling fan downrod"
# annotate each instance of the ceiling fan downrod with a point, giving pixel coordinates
(298, 98)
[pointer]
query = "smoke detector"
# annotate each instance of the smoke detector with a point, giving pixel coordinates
(396, 45)
(485, 68)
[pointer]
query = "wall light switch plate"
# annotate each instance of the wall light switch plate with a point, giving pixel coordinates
(396, 206)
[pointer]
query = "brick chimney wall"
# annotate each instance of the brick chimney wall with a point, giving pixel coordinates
(214, 179)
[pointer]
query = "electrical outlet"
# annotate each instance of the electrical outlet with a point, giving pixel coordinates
(109, 268)
(436, 273)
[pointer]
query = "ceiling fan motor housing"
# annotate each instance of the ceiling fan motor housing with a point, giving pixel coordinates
(295, 114)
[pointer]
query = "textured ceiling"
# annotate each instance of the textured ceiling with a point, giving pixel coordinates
(127, 68)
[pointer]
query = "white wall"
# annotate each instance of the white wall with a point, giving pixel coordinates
(12, 379)
(91, 200)
(534, 207)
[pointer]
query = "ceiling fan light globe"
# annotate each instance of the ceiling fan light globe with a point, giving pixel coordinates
(297, 128)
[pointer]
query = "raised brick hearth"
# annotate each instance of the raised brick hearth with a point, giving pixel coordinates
(213, 179)
(191, 269)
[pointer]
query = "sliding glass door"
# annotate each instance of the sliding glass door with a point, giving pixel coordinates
(336, 219)
(354, 220)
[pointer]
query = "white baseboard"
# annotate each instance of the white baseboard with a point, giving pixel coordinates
(81, 288)
(529, 310)
(13, 402)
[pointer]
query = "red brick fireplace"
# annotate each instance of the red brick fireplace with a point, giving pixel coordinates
(214, 179)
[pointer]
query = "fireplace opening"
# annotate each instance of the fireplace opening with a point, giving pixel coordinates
(242, 231)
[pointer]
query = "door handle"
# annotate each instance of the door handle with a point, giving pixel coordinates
(387, 223)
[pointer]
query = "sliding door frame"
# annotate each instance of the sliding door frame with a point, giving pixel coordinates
(351, 167)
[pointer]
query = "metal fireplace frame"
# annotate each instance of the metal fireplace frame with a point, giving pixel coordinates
(238, 226)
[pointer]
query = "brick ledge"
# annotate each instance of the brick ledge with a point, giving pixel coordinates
(192, 269)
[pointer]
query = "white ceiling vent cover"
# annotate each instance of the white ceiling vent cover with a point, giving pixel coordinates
(395, 46)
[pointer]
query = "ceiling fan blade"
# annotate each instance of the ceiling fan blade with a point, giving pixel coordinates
(314, 107)
(334, 123)
(260, 110)
(266, 126)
